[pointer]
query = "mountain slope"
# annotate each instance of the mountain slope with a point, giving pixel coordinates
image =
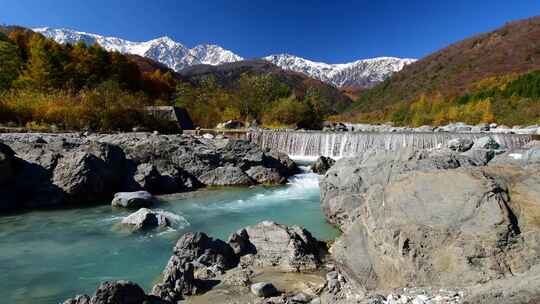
(227, 75)
(457, 69)
(358, 74)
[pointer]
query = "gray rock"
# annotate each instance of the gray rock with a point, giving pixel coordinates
(226, 176)
(59, 169)
(80, 299)
(239, 242)
(287, 248)
(124, 292)
(300, 298)
(417, 228)
(322, 164)
(117, 292)
(460, 144)
(345, 186)
(486, 142)
(177, 281)
(516, 289)
(266, 176)
(147, 177)
(480, 156)
(194, 253)
(146, 219)
(264, 289)
(133, 200)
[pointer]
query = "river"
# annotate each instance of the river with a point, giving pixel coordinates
(48, 256)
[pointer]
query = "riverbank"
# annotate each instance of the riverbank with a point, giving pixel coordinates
(56, 254)
(51, 170)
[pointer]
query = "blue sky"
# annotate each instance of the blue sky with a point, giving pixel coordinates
(332, 31)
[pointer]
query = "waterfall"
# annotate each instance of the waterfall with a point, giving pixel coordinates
(312, 144)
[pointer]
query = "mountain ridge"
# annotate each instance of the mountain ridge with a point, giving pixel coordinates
(363, 73)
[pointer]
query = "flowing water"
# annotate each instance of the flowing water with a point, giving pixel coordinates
(48, 256)
(309, 145)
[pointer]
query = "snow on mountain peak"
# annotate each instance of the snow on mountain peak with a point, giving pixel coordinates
(361, 73)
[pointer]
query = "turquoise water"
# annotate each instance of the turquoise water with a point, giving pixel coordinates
(48, 256)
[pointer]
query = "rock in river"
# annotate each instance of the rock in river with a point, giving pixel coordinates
(147, 219)
(322, 165)
(133, 200)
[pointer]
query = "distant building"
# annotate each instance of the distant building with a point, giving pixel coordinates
(171, 113)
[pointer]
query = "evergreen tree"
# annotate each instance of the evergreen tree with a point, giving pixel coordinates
(10, 64)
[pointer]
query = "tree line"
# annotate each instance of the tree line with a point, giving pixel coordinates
(75, 87)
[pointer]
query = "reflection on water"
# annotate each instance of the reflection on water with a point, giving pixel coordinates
(47, 256)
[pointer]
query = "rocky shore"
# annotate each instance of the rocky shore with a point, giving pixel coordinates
(205, 270)
(52, 170)
(463, 217)
(459, 223)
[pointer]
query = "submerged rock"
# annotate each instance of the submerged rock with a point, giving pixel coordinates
(133, 200)
(322, 164)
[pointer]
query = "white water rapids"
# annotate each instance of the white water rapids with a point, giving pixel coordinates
(308, 145)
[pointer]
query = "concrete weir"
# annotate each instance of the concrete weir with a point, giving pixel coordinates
(312, 144)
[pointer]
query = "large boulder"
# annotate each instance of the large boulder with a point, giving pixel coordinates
(226, 176)
(274, 245)
(266, 176)
(178, 280)
(54, 170)
(344, 187)
(196, 258)
(133, 200)
(423, 221)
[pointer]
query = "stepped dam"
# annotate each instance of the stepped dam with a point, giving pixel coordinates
(312, 144)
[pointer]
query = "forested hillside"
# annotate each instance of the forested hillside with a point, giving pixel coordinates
(74, 87)
(489, 77)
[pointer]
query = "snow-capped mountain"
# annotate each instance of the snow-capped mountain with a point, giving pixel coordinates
(165, 50)
(361, 73)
